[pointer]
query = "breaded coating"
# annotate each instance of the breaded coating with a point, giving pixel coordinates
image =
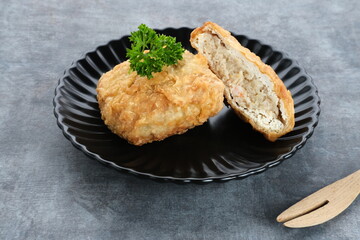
(143, 110)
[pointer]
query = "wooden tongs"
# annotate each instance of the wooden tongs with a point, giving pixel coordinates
(324, 204)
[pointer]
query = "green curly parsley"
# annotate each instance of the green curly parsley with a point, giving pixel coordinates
(150, 51)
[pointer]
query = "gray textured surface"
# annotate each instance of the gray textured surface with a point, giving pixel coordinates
(50, 190)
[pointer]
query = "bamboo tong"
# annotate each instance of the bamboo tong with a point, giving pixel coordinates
(324, 204)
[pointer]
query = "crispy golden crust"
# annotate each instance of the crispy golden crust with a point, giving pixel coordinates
(279, 87)
(143, 110)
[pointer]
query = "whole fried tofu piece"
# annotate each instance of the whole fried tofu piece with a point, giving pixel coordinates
(143, 110)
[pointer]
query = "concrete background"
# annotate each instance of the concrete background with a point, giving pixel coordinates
(50, 190)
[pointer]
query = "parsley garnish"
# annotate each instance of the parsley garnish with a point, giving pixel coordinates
(150, 51)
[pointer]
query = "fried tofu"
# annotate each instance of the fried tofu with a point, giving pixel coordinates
(178, 98)
(252, 88)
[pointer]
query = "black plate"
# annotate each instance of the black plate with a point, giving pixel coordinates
(221, 149)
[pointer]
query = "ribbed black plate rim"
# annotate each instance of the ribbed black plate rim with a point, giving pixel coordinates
(244, 40)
